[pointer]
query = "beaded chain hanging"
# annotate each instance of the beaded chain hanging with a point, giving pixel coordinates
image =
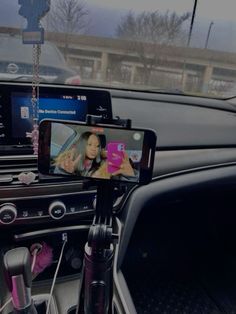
(34, 135)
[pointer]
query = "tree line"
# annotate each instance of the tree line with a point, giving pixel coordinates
(139, 29)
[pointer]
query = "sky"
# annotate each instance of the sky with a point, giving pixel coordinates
(142, 5)
(220, 9)
(211, 9)
(221, 12)
(106, 14)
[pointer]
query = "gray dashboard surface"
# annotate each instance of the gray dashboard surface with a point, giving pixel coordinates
(173, 161)
(180, 121)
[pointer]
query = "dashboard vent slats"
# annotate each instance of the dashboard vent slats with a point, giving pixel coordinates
(12, 166)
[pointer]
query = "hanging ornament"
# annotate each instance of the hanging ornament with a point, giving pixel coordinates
(34, 135)
(34, 11)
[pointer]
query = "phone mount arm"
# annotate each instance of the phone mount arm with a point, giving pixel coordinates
(98, 256)
(99, 250)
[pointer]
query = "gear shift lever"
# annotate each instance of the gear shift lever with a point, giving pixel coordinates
(19, 280)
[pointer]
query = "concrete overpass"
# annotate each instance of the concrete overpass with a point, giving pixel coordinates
(114, 60)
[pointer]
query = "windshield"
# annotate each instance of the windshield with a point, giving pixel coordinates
(179, 46)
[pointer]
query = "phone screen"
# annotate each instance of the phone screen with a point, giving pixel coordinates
(96, 152)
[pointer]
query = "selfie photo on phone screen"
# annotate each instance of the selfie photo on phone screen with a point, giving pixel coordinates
(95, 151)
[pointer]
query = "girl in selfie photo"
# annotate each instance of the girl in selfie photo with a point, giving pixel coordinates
(83, 158)
(87, 158)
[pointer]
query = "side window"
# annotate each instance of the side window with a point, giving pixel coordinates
(61, 135)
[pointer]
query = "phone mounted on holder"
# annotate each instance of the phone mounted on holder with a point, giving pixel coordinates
(96, 292)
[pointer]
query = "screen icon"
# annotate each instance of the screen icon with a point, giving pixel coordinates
(137, 136)
(24, 112)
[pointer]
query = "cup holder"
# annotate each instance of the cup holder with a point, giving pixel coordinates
(41, 301)
(41, 307)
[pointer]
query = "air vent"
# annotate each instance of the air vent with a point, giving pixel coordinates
(12, 166)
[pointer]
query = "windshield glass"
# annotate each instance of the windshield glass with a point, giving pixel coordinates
(179, 46)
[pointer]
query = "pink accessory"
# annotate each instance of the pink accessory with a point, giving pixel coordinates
(26, 177)
(34, 135)
(44, 257)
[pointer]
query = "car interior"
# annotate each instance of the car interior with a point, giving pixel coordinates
(172, 241)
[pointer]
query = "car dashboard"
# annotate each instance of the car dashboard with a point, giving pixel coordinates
(195, 159)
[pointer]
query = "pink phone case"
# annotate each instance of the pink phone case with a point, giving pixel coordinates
(115, 155)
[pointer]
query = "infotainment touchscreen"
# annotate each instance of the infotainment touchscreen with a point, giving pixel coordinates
(55, 102)
(63, 107)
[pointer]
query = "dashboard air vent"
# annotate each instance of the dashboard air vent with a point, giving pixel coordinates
(12, 166)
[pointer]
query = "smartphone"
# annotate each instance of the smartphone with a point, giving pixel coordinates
(96, 152)
(115, 156)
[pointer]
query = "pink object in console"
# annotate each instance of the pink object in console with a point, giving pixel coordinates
(44, 258)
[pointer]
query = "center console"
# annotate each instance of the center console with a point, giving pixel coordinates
(49, 207)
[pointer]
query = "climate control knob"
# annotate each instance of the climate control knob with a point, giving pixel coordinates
(8, 213)
(57, 210)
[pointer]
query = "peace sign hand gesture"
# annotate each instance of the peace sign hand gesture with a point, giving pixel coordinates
(70, 162)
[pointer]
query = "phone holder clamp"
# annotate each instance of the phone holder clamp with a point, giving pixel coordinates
(94, 120)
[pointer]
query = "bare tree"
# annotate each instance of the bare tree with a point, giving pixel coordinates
(68, 17)
(150, 34)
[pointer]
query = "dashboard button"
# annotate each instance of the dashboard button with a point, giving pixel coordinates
(72, 209)
(8, 213)
(39, 213)
(25, 213)
(85, 207)
(57, 210)
(32, 213)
